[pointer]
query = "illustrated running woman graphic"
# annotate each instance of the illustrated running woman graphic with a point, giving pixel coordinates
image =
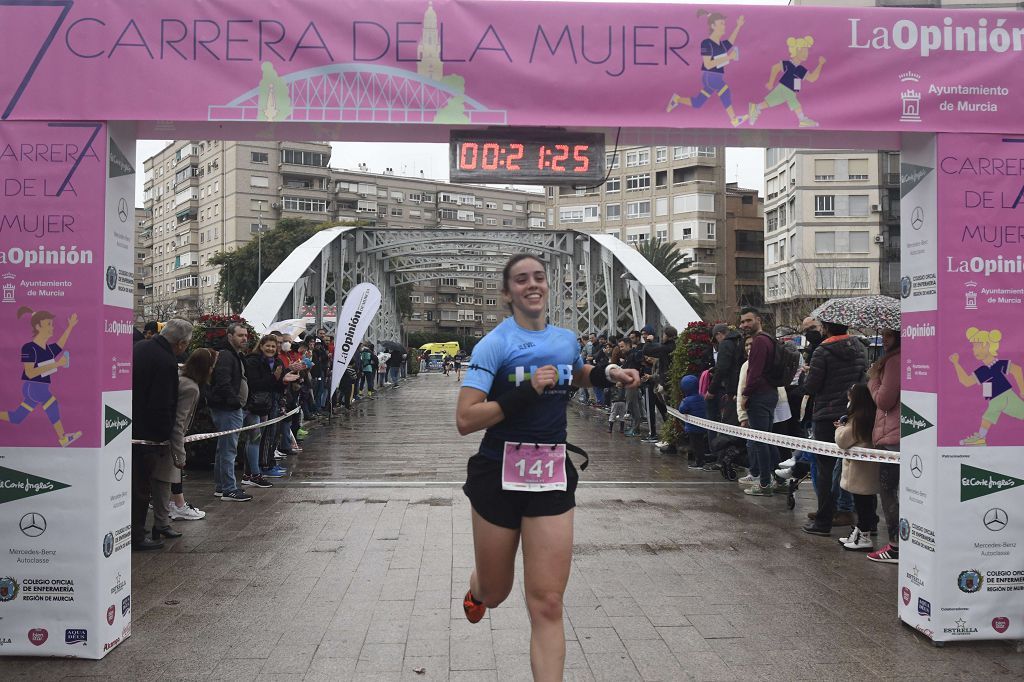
(793, 74)
(40, 361)
(991, 375)
(715, 54)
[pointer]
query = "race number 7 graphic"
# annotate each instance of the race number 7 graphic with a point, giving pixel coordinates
(65, 6)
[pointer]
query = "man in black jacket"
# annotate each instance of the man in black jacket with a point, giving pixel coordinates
(725, 378)
(154, 407)
(662, 355)
(836, 365)
(228, 394)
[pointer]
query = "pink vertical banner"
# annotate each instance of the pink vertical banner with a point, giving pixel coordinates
(51, 279)
(981, 290)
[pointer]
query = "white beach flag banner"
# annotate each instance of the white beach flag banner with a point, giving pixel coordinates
(361, 305)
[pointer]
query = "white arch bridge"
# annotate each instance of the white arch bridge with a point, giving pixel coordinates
(597, 283)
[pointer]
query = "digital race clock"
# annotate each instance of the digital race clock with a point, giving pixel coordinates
(526, 156)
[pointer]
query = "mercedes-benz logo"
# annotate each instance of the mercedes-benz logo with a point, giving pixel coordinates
(119, 466)
(32, 524)
(917, 218)
(916, 467)
(995, 519)
(122, 209)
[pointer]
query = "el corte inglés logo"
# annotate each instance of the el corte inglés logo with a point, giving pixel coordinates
(15, 485)
(911, 422)
(114, 423)
(975, 482)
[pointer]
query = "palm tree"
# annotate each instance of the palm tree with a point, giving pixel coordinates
(675, 268)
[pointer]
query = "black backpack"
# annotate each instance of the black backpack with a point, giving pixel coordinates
(784, 363)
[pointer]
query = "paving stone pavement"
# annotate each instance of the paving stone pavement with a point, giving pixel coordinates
(354, 567)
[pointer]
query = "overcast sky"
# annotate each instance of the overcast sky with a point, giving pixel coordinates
(745, 165)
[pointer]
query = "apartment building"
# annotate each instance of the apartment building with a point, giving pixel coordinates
(663, 193)
(831, 227)
(744, 252)
(143, 263)
(205, 197)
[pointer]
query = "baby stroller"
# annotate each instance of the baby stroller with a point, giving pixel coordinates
(730, 452)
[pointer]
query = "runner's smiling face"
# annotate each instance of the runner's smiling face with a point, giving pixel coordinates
(527, 290)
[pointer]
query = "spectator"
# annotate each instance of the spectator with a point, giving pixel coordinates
(382, 367)
(631, 360)
(154, 409)
(195, 375)
(721, 397)
(884, 384)
(661, 353)
(759, 398)
(617, 393)
(693, 405)
(264, 374)
(836, 365)
(197, 370)
(394, 364)
(860, 478)
(229, 392)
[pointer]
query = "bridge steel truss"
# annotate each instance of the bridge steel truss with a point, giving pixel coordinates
(597, 283)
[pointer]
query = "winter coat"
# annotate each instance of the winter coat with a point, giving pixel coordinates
(662, 353)
(260, 375)
(692, 403)
(725, 378)
(154, 389)
(228, 376)
(836, 365)
(188, 398)
(885, 389)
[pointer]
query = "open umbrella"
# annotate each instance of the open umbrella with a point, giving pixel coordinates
(392, 347)
(862, 312)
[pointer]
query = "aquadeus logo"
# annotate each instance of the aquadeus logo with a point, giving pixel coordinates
(976, 482)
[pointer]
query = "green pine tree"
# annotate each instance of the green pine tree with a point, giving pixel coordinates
(670, 263)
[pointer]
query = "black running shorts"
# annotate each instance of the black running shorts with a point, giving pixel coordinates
(506, 508)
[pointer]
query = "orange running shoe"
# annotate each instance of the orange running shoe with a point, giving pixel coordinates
(474, 610)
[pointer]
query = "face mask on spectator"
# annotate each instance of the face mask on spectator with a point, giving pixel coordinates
(285, 347)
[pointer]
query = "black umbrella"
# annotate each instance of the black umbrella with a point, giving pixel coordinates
(392, 347)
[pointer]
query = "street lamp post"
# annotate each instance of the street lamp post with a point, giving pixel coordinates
(259, 251)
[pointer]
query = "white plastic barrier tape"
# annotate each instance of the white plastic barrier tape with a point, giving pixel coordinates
(218, 434)
(791, 442)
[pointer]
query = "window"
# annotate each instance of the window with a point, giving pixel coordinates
(632, 159)
(660, 154)
(858, 169)
(706, 284)
(466, 216)
(414, 213)
(506, 207)
(506, 222)
(492, 221)
(771, 220)
(858, 205)
(578, 214)
(259, 157)
(638, 209)
(661, 233)
(396, 211)
(708, 228)
(449, 282)
(613, 185)
(684, 229)
(782, 214)
(661, 206)
(824, 169)
(613, 211)
(842, 242)
(259, 181)
(842, 278)
(301, 158)
(859, 242)
(305, 205)
(398, 196)
(638, 182)
(611, 161)
(688, 203)
(492, 205)
(824, 204)
(447, 214)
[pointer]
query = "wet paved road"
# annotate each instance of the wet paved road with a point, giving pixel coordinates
(685, 579)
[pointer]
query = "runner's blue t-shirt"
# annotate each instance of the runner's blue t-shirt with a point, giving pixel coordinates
(504, 359)
(791, 75)
(995, 374)
(709, 48)
(36, 354)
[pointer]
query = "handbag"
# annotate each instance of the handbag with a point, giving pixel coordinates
(860, 477)
(260, 403)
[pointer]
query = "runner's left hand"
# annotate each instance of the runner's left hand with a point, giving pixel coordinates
(630, 378)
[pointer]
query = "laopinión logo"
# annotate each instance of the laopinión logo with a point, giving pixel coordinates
(969, 581)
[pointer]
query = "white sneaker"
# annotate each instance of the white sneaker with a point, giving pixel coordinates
(186, 513)
(661, 444)
(748, 480)
(788, 464)
(784, 473)
(859, 542)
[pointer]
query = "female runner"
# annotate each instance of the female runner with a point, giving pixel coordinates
(521, 483)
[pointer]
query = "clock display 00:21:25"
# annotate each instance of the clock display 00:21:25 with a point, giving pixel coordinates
(492, 156)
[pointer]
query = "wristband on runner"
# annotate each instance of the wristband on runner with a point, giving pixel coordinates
(600, 377)
(517, 401)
